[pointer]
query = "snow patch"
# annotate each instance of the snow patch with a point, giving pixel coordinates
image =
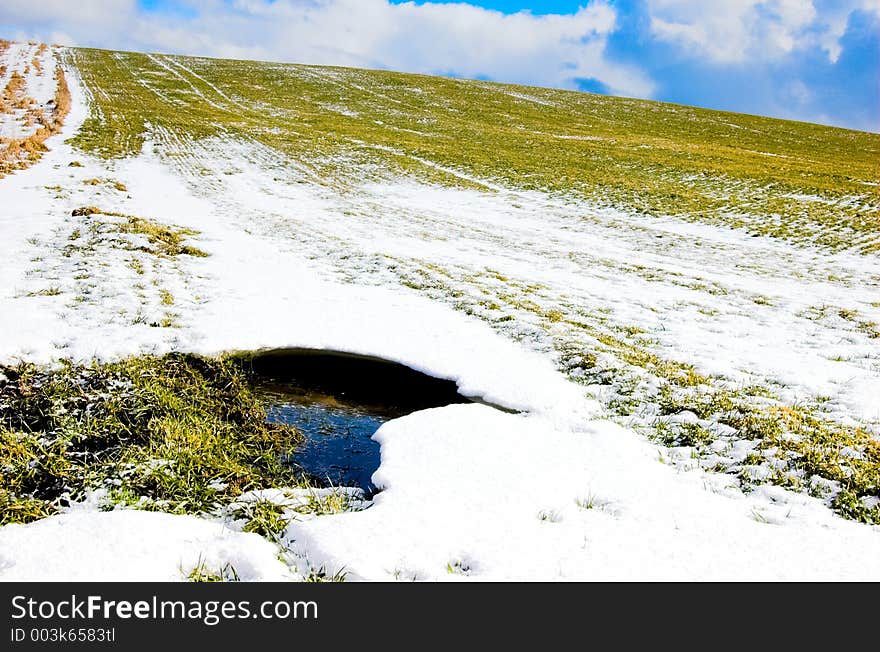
(132, 546)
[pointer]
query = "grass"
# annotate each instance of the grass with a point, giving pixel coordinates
(136, 265)
(177, 433)
(161, 239)
(201, 573)
(168, 320)
(795, 442)
(458, 567)
(321, 575)
(866, 326)
(591, 501)
(549, 516)
(269, 518)
(116, 185)
(800, 182)
(683, 434)
(46, 292)
(265, 518)
(801, 447)
(334, 502)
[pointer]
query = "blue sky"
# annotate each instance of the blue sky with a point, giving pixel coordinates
(813, 60)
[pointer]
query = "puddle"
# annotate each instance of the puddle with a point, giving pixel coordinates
(338, 401)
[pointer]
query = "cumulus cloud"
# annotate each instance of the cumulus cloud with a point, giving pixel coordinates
(459, 39)
(737, 31)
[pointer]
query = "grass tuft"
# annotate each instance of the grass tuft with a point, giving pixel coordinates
(201, 573)
(163, 240)
(265, 518)
(177, 433)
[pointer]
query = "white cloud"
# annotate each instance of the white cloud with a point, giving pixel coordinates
(426, 38)
(101, 13)
(738, 31)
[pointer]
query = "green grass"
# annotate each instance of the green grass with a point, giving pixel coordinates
(136, 266)
(46, 292)
(868, 327)
(775, 178)
(592, 501)
(321, 575)
(549, 516)
(334, 502)
(177, 433)
(803, 447)
(201, 573)
(162, 239)
(458, 567)
(683, 434)
(795, 441)
(265, 518)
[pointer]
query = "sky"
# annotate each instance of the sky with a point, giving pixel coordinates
(812, 60)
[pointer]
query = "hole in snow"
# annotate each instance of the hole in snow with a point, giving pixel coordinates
(338, 400)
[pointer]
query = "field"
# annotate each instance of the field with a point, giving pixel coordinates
(683, 303)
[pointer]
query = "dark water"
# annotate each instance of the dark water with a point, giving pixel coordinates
(338, 401)
(338, 449)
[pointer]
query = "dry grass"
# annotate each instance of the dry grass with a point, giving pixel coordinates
(117, 185)
(14, 86)
(20, 153)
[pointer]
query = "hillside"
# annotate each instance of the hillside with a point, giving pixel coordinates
(643, 282)
(796, 181)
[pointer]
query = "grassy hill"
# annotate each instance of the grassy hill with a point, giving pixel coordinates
(796, 181)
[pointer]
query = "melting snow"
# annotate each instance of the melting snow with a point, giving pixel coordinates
(558, 492)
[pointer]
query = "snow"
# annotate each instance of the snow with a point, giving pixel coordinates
(819, 199)
(340, 110)
(502, 473)
(17, 55)
(530, 98)
(570, 137)
(12, 124)
(156, 60)
(470, 492)
(585, 262)
(40, 85)
(130, 545)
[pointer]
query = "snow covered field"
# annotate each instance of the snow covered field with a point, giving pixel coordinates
(490, 286)
(27, 79)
